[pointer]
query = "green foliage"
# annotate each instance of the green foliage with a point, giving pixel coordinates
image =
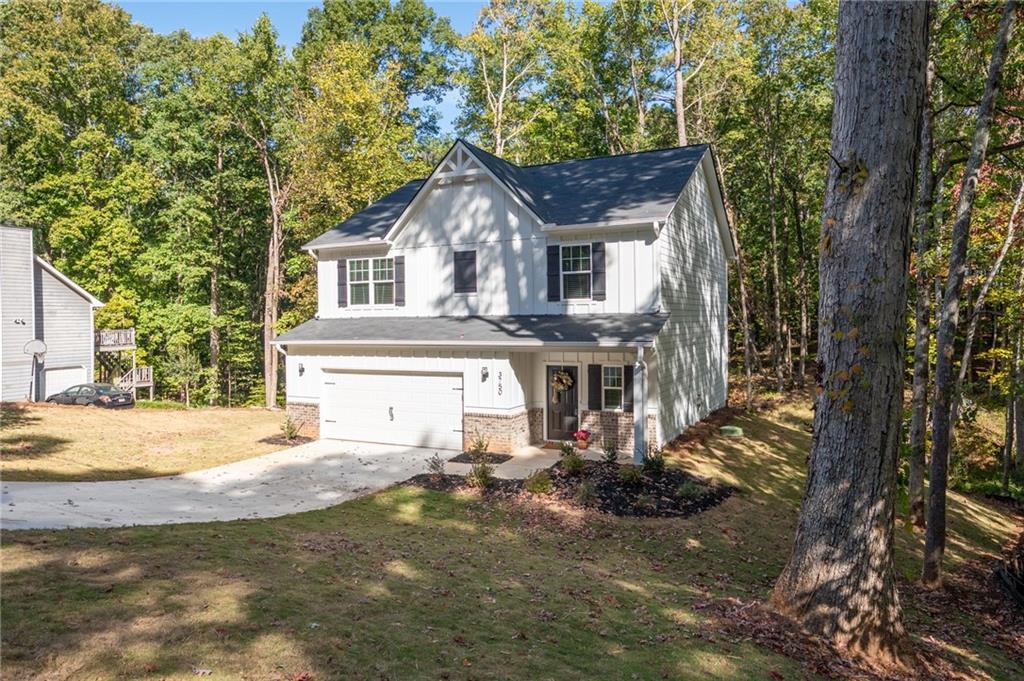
(631, 475)
(481, 474)
(654, 463)
(565, 448)
(436, 465)
(690, 490)
(289, 428)
(479, 445)
(539, 482)
(585, 493)
(611, 452)
(573, 463)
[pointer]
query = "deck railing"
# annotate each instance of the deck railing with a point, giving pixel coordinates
(141, 378)
(115, 339)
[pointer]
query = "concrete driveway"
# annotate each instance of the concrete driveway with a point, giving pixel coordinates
(311, 476)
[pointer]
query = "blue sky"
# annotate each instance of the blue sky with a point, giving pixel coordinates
(201, 18)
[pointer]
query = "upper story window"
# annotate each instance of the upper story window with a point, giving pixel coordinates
(465, 271)
(576, 272)
(611, 387)
(371, 281)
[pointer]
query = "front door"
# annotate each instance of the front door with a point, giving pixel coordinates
(563, 407)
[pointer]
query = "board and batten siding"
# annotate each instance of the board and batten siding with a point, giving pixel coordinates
(64, 321)
(503, 391)
(511, 260)
(538, 395)
(17, 310)
(692, 348)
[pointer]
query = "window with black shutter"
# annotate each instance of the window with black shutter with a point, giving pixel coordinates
(597, 279)
(465, 271)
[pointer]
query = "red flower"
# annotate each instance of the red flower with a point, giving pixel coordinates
(582, 434)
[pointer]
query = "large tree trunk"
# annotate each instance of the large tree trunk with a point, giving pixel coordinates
(935, 536)
(922, 307)
(839, 581)
(215, 281)
(979, 303)
(1011, 419)
(272, 285)
(780, 354)
(805, 323)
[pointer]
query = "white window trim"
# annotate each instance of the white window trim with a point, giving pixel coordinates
(370, 281)
(621, 387)
(589, 272)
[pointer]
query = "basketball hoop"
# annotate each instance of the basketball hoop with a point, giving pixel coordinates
(37, 349)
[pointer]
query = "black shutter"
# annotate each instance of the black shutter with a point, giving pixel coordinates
(597, 287)
(342, 284)
(400, 280)
(627, 388)
(465, 271)
(594, 387)
(554, 269)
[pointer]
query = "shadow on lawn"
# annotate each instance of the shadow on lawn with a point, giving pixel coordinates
(14, 415)
(409, 583)
(20, 446)
(404, 584)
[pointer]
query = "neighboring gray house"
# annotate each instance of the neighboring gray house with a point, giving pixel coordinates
(521, 303)
(38, 302)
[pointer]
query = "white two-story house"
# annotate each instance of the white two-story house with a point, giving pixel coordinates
(521, 303)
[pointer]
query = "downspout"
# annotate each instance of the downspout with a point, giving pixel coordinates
(639, 406)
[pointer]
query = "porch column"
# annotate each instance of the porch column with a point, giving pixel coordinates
(639, 406)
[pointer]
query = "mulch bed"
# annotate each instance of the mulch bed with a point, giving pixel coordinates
(282, 440)
(653, 496)
(650, 497)
(467, 457)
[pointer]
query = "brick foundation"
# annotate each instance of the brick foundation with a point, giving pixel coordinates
(305, 416)
(617, 427)
(536, 419)
(505, 433)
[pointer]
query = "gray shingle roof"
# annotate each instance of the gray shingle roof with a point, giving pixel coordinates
(598, 329)
(640, 186)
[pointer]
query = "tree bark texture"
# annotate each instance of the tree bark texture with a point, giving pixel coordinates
(979, 303)
(935, 536)
(922, 309)
(839, 581)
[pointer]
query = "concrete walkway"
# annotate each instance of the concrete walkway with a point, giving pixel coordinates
(311, 476)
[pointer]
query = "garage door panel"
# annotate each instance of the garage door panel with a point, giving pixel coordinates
(405, 409)
(58, 379)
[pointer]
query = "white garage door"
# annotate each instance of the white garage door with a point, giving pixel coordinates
(418, 410)
(58, 379)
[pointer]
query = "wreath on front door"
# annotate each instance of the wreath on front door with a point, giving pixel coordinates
(560, 382)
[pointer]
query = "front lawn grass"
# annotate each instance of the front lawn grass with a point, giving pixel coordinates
(50, 443)
(414, 584)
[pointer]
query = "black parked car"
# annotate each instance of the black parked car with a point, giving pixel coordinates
(94, 395)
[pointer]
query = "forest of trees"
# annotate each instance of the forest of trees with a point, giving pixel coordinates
(176, 177)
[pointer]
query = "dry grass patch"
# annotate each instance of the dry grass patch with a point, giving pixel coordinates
(48, 443)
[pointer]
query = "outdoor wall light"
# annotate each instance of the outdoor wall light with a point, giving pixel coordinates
(302, 369)
(483, 374)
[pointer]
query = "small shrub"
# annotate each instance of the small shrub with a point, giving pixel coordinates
(435, 466)
(690, 490)
(289, 429)
(566, 449)
(572, 463)
(479, 445)
(585, 493)
(654, 463)
(646, 502)
(631, 475)
(481, 475)
(611, 452)
(539, 482)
